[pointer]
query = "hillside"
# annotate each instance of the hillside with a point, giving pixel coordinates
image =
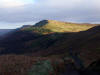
(57, 26)
(54, 31)
(51, 48)
(32, 41)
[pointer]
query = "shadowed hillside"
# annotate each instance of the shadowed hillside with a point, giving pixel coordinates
(56, 46)
(33, 38)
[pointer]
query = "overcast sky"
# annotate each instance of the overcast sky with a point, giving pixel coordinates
(15, 13)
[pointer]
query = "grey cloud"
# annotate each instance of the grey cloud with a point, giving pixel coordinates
(80, 11)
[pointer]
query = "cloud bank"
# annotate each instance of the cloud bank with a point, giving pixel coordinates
(26, 11)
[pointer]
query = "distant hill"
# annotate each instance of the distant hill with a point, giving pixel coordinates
(58, 26)
(59, 39)
(4, 31)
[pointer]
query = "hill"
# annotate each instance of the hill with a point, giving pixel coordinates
(51, 47)
(59, 39)
(57, 26)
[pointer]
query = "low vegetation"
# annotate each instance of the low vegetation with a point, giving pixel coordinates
(38, 30)
(39, 54)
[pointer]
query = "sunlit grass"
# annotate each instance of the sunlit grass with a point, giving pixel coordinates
(56, 26)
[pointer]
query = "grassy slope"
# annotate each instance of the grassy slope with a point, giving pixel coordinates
(57, 26)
